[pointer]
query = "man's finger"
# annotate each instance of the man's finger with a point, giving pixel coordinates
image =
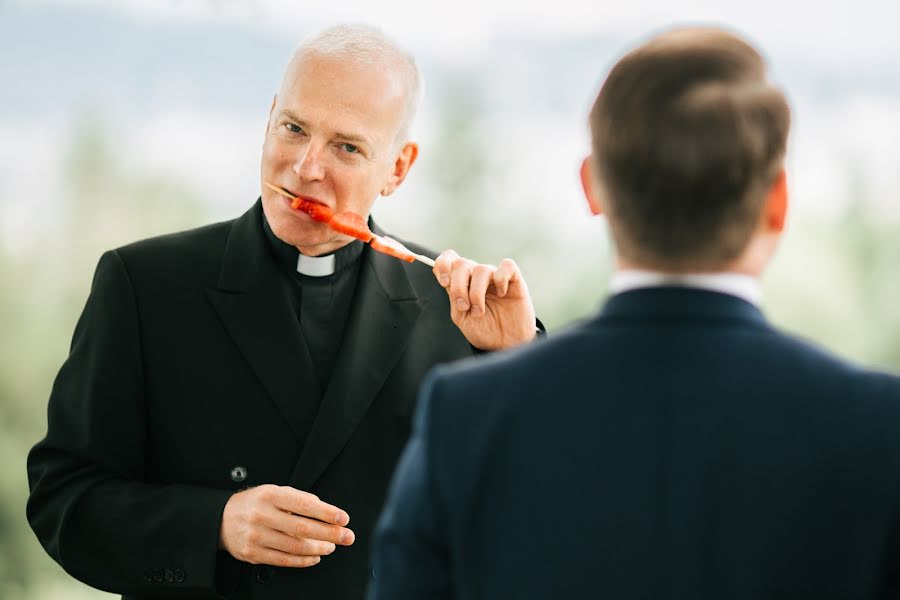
(443, 264)
(478, 286)
(298, 546)
(276, 558)
(506, 273)
(303, 527)
(460, 276)
(308, 505)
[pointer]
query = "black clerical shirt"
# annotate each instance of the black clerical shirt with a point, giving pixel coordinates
(322, 303)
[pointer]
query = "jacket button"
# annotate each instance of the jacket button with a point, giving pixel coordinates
(264, 573)
(179, 575)
(169, 575)
(238, 474)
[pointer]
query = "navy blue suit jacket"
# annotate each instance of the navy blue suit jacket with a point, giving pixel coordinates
(676, 446)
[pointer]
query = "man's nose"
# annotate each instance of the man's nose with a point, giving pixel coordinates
(309, 165)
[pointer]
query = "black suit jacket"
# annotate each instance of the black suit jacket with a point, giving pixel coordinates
(188, 379)
(676, 446)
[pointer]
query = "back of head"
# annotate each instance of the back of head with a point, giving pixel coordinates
(688, 135)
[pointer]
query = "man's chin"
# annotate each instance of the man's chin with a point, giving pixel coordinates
(291, 228)
(313, 243)
(307, 241)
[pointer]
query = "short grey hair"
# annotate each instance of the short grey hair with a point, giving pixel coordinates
(368, 45)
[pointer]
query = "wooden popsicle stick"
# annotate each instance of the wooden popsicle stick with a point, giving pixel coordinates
(391, 247)
(279, 190)
(423, 259)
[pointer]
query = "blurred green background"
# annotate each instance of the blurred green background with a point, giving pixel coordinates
(124, 120)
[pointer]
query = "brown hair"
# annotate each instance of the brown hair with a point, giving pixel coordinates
(688, 135)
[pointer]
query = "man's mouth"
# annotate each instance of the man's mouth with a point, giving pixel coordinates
(318, 211)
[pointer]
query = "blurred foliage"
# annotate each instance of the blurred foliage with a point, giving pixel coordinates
(837, 282)
(472, 210)
(834, 281)
(103, 206)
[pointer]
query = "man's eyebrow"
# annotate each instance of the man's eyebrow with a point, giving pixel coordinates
(290, 115)
(352, 138)
(347, 137)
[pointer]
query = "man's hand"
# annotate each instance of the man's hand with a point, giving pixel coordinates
(282, 526)
(490, 305)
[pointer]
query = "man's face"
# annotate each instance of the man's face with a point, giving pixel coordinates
(330, 138)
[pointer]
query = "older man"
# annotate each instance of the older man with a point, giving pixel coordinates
(676, 445)
(237, 395)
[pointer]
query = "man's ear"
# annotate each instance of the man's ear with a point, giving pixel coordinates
(589, 185)
(777, 204)
(402, 164)
(271, 109)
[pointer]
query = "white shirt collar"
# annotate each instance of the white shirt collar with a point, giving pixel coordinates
(315, 266)
(735, 284)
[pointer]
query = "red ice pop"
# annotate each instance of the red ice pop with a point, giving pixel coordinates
(393, 248)
(350, 223)
(319, 212)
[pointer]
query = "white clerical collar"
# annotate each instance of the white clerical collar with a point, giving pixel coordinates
(735, 284)
(315, 266)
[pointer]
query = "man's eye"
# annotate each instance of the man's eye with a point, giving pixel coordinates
(350, 148)
(293, 128)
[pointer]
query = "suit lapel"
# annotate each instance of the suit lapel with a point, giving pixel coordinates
(253, 300)
(385, 309)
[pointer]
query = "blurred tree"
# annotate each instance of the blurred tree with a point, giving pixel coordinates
(469, 182)
(873, 256)
(103, 206)
(460, 176)
(835, 281)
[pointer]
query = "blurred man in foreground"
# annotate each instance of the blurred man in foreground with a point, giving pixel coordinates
(676, 445)
(237, 396)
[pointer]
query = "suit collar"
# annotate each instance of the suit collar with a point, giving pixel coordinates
(675, 302)
(246, 258)
(253, 299)
(390, 273)
(737, 284)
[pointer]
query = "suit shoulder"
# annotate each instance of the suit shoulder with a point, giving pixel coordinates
(861, 398)
(525, 367)
(585, 354)
(180, 241)
(184, 250)
(807, 357)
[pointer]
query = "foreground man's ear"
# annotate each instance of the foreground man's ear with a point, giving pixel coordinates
(405, 159)
(777, 204)
(589, 185)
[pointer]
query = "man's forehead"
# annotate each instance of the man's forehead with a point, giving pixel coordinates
(352, 97)
(347, 73)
